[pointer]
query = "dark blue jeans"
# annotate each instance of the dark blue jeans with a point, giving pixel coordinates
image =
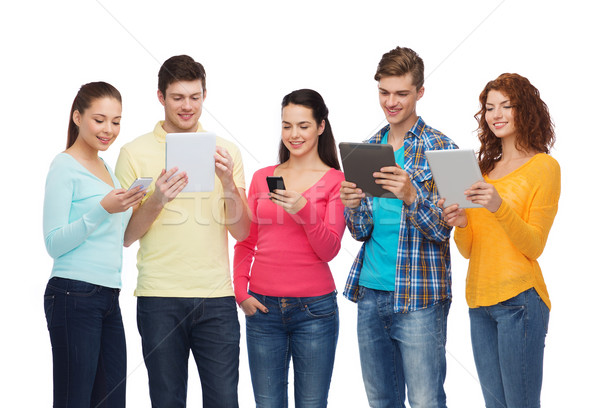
(304, 329)
(88, 344)
(209, 327)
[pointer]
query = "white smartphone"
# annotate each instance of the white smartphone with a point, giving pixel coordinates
(141, 181)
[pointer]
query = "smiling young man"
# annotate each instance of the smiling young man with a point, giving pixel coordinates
(184, 290)
(401, 276)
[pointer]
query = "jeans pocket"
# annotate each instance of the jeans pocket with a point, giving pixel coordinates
(49, 309)
(81, 288)
(517, 302)
(321, 308)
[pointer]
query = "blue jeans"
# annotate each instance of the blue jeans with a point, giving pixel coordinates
(209, 327)
(88, 344)
(304, 329)
(401, 350)
(508, 346)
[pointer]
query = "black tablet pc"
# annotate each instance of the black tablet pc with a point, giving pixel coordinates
(361, 160)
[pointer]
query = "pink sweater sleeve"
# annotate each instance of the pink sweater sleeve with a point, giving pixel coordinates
(244, 251)
(324, 235)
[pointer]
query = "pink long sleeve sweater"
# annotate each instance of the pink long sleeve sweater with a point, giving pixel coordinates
(290, 252)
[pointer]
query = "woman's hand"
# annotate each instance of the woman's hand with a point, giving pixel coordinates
(250, 305)
(453, 215)
(119, 199)
(484, 194)
(291, 201)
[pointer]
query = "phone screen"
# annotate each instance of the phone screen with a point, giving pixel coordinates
(141, 181)
(275, 183)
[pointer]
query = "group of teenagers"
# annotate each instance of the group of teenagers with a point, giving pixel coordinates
(400, 279)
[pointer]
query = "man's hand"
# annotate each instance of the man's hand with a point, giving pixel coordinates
(397, 181)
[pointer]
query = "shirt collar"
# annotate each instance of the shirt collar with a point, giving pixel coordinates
(160, 133)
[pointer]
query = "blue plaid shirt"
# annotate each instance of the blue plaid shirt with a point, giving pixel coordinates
(423, 275)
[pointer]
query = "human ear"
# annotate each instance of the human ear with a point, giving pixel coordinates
(77, 118)
(321, 128)
(161, 97)
(420, 93)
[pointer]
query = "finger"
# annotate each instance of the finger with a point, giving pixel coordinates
(165, 175)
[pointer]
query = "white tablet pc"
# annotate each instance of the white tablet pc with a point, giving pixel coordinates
(454, 171)
(361, 160)
(194, 154)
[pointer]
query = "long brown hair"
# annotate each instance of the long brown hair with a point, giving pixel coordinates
(533, 124)
(87, 94)
(326, 144)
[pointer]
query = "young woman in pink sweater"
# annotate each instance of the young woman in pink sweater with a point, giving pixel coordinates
(507, 297)
(281, 277)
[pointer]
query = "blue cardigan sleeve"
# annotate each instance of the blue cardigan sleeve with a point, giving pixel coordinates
(60, 235)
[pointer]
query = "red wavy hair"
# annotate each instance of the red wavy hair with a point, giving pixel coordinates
(535, 130)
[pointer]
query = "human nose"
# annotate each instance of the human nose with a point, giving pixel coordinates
(186, 104)
(497, 113)
(391, 100)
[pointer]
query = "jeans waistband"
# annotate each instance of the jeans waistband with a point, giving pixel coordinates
(64, 284)
(289, 300)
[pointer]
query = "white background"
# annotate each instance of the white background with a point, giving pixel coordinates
(255, 53)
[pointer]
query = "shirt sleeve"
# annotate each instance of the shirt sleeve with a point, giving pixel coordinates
(360, 220)
(60, 235)
(324, 235)
(530, 236)
(425, 215)
(244, 251)
(124, 169)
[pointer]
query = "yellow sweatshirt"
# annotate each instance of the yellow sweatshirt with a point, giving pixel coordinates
(503, 247)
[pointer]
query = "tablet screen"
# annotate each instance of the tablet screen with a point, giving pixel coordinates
(193, 153)
(361, 160)
(454, 171)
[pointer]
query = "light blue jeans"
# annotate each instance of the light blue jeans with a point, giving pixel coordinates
(508, 345)
(401, 351)
(303, 329)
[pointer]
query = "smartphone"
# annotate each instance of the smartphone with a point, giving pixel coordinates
(141, 181)
(275, 183)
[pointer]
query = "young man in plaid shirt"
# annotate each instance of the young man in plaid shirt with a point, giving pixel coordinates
(401, 276)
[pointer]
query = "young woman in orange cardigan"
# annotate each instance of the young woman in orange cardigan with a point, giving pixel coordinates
(507, 297)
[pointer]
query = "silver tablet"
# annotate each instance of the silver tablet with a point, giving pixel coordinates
(193, 153)
(454, 171)
(361, 160)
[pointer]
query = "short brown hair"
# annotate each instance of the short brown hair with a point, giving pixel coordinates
(180, 68)
(399, 62)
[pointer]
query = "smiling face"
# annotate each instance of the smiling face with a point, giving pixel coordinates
(299, 130)
(183, 106)
(99, 125)
(398, 98)
(499, 115)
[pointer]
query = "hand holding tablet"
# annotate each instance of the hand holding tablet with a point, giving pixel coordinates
(361, 160)
(454, 172)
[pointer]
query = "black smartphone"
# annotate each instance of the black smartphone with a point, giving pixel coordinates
(275, 183)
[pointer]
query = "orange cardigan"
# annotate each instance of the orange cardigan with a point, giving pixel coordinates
(503, 247)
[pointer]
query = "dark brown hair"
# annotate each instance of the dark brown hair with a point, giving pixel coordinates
(180, 68)
(87, 94)
(399, 62)
(326, 145)
(533, 124)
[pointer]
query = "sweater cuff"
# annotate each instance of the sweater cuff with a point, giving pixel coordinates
(97, 214)
(502, 211)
